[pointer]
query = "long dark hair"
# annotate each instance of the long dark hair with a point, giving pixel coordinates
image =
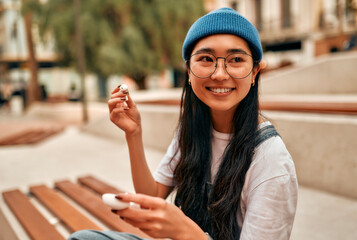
(214, 206)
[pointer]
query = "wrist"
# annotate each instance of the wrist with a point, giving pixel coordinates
(192, 232)
(132, 135)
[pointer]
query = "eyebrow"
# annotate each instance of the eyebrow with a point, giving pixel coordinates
(205, 50)
(210, 50)
(236, 50)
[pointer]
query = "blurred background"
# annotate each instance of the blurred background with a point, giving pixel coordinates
(60, 60)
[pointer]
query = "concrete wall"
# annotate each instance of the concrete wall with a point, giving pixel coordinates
(334, 74)
(323, 146)
(158, 122)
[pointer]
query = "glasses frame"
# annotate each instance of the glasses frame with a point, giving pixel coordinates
(225, 65)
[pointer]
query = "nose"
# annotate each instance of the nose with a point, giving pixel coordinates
(220, 73)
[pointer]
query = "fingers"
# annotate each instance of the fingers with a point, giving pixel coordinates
(116, 103)
(123, 95)
(117, 89)
(147, 203)
(144, 201)
(119, 94)
(130, 102)
(118, 99)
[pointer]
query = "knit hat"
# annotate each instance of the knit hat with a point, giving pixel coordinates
(223, 20)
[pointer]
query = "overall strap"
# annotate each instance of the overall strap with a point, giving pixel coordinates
(265, 133)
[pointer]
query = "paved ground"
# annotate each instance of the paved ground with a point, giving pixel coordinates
(74, 152)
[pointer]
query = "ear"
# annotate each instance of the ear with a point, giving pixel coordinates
(256, 70)
(187, 65)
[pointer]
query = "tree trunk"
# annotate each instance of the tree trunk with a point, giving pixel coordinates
(81, 62)
(33, 87)
(339, 11)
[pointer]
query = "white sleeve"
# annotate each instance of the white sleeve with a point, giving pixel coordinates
(269, 197)
(270, 210)
(164, 174)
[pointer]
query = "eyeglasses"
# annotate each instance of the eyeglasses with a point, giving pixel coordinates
(237, 65)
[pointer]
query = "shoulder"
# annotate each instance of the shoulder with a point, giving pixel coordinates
(270, 184)
(271, 160)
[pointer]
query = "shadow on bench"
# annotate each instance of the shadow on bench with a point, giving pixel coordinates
(86, 193)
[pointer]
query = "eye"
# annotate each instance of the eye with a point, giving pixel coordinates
(236, 59)
(206, 58)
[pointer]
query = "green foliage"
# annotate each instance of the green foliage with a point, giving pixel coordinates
(130, 37)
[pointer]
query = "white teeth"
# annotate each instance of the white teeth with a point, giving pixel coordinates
(220, 90)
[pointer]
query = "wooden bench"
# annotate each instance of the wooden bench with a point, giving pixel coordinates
(30, 136)
(76, 206)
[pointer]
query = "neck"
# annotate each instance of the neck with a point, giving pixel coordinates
(222, 121)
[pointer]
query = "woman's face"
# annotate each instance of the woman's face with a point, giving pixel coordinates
(219, 91)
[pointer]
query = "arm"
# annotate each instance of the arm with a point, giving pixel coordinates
(142, 177)
(126, 116)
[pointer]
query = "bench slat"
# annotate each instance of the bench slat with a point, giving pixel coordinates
(6, 231)
(30, 218)
(97, 185)
(317, 107)
(72, 217)
(94, 204)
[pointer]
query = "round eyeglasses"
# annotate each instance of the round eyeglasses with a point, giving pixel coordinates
(237, 65)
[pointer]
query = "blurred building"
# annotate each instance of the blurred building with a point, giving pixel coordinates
(14, 56)
(296, 30)
(291, 31)
(13, 45)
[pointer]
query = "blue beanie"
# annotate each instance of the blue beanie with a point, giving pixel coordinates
(223, 20)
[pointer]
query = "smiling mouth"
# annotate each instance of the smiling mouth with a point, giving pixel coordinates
(220, 90)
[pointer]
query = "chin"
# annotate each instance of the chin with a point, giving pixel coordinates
(222, 108)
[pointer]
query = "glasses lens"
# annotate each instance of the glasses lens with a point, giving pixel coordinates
(239, 65)
(202, 65)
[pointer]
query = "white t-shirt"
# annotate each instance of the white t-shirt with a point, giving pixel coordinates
(269, 195)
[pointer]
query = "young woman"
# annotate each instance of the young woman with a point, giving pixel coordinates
(233, 176)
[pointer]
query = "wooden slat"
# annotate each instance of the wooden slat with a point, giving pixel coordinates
(30, 218)
(30, 136)
(94, 204)
(14, 139)
(97, 185)
(168, 102)
(6, 231)
(70, 216)
(313, 107)
(40, 135)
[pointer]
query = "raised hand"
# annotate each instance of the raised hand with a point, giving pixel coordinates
(123, 111)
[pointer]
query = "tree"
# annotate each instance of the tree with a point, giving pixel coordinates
(129, 37)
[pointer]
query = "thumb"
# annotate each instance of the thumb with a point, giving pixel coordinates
(130, 102)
